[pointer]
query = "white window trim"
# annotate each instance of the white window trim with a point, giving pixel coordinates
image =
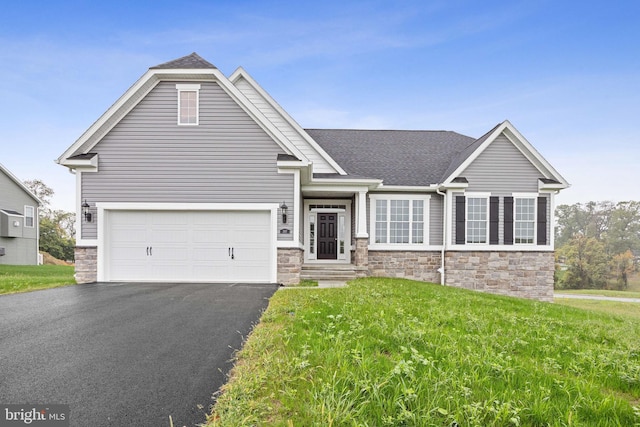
(466, 217)
(403, 246)
(189, 88)
(33, 216)
(521, 196)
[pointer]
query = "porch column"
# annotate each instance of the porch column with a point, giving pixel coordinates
(362, 237)
(361, 224)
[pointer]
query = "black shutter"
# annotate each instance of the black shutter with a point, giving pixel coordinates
(542, 220)
(494, 205)
(508, 220)
(460, 222)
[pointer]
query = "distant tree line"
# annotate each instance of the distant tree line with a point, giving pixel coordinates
(57, 227)
(597, 244)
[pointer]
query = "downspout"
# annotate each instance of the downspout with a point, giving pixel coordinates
(444, 234)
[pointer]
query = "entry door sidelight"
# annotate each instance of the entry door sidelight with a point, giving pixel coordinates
(327, 236)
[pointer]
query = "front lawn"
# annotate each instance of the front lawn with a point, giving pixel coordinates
(396, 352)
(624, 309)
(24, 278)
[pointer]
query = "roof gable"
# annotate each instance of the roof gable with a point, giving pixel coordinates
(474, 150)
(171, 71)
(19, 183)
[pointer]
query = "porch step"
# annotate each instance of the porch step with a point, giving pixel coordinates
(330, 272)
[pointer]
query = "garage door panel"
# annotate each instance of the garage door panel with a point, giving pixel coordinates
(190, 246)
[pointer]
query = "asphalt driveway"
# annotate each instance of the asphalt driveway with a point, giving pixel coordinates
(125, 354)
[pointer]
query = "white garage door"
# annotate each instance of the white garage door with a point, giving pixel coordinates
(187, 246)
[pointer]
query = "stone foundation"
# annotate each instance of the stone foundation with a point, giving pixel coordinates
(519, 274)
(405, 264)
(361, 253)
(86, 264)
(289, 265)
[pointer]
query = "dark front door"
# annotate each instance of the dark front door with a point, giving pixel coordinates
(327, 236)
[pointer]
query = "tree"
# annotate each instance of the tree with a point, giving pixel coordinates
(587, 263)
(42, 192)
(624, 232)
(57, 227)
(622, 266)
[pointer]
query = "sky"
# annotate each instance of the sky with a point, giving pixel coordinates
(565, 73)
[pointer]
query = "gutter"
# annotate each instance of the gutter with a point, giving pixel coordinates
(441, 270)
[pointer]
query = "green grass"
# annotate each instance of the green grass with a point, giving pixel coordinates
(25, 278)
(308, 284)
(603, 292)
(396, 352)
(624, 309)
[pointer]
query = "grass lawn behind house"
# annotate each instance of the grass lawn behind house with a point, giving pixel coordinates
(396, 352)
(24, 278)
(624, 309)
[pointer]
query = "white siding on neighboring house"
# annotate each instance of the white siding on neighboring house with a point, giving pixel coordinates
(502, 168)
(227, 158)
(320, 165)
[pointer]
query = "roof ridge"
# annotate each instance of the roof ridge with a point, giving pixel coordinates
(192, 60)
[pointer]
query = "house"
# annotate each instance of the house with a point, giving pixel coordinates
(195, 176)
(18, 221)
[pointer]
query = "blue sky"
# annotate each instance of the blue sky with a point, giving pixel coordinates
(565, 73)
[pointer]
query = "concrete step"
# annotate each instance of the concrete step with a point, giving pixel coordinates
(329, 272)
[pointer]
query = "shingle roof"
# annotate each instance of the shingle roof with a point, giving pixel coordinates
(190, 61)
(398, 157)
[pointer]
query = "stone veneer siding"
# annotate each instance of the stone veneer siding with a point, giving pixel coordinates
(86, 264)
(406, 264)
(519, 274)
(289, 265)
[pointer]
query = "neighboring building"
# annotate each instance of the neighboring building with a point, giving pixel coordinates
(18, 221)
(193, 176)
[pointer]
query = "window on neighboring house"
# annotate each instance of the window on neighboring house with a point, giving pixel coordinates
(188, 104)
(524, 220)
(29, 216)
(399, 220)
(477, 214)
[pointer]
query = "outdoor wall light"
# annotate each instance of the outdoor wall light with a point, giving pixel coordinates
(85, 211)
(284, 208)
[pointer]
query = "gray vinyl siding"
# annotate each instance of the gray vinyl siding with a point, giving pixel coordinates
(18, 250)
(502, 168)
(435, 219)
(227, 158)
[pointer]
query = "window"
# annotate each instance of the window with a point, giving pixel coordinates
(398, 220)
(188, 104)
(477, 219)
(524, 220)
(312, 233)
(29, 216)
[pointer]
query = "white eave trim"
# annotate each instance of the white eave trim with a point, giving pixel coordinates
(521, 143)
(292, 164)
(407, 188)
(242, 73)
(84, 164)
